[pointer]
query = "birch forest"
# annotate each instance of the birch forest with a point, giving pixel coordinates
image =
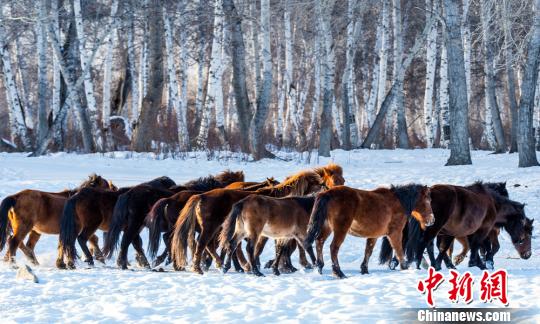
(260, 76)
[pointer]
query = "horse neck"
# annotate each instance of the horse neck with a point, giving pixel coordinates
(391, 197)
(277, 191)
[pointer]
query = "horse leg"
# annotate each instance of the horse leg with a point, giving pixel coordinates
(259, 247)
(202, 241)
(140, 257)
(241, 259)
(250, 249)
(319, 248)
(474, 259)
(339, 237)
(443, 243)
(396, 242)
(426, 241)
(60, 264)
(211, 249)
(302, 256)
(275, 265)
(82, 239)
(94, 247)
(370, 244)
(486, 244)
(19, 233)
(463, 254)
(28, 249)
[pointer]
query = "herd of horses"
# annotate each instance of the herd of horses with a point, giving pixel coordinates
(211, 217)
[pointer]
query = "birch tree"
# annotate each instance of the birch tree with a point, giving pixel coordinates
(96, 143)
(431, 61)
(41, 32)
(399, 103)
(107, 76)
(526, 147)
(459, 121)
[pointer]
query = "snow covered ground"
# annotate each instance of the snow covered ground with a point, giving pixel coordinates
(107, 294)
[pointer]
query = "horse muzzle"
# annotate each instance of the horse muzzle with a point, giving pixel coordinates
(526, 255)
(430, 221)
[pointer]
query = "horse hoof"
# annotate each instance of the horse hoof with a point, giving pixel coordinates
(489, 265)
(364, 270)
(458, 259)
(276, 272)
(308, 266)
(258, 274)
(197, 270)
(269, 264)
(339, 274)
(392, 264)
(404, 266)
(224, 270)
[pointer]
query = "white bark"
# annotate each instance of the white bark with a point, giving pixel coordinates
(467, 47)
(88, 82)
(15, 110)
(174, 97)
(41, 32)
(291, 126)
(57, 77)
(107, 76)
(444, 97)
(134, 109)
(383, 54)
(371, 106)
(431, 60)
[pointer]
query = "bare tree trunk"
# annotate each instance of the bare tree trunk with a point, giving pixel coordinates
(399, 102)
(182, 118)
(42, 71)
(324, 11)
(142, 136)
(291, 126)
(173, 82)
(510, 75)
(263, 101)
(134, 111)
(443, 94)
(234, 22)
(94, 142)
(527, 153)
(459, 121)
(431, 62)
(489, 61)
(107, 78)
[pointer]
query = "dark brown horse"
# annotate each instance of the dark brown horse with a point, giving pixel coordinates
(206, 213)
(283, 219)
(370, 214)
(84, 213)
(473, 212)
(37, 212)
(132, 207)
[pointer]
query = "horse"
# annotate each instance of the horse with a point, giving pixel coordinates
(370, 214)
(37, 212)
(164, 214)
(280, 218)
(133, 206)
(473, 212)
(253, 185)
(207, 212)
(84, 213)
(386, 249)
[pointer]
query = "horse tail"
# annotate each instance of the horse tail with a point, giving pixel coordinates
(118, 221)
(317, 219)
(154, 222)
(229, 227)
(8, 203)
(386, 251)
(413, 233)
(184, 229)
(68, 228)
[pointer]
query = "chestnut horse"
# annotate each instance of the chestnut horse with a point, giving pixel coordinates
(252, 185)
(370, 214)
(207, 212)
(280, 218)
(37, 212)
(132, 207)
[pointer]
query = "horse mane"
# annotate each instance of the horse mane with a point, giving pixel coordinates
(212, 182)
(498, 187)
(87, 183)
(297, 184)
(407, 195)
(331, 168)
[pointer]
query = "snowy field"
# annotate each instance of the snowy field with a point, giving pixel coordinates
(107, 294)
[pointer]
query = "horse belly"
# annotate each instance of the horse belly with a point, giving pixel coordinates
(278, 232)
(361, 230)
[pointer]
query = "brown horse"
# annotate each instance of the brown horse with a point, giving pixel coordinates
(370, 214)
(84, 213)
(279, 218)
(472, 211)
(207, 212)
(165, 211)
(37, 212)
(132, 207)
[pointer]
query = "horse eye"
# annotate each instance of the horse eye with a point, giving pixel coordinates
(520, 242)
